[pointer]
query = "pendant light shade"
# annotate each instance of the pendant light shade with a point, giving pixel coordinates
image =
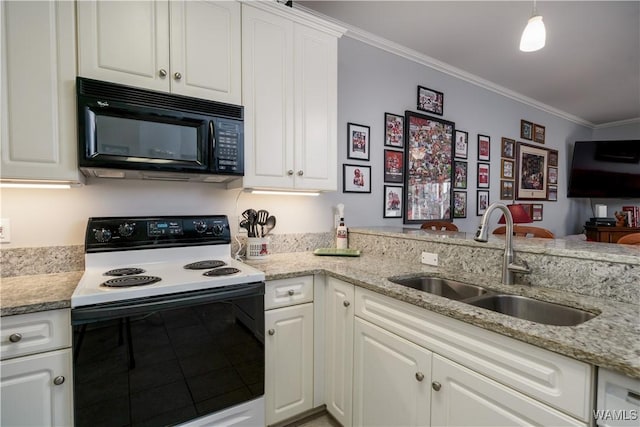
(534, 35)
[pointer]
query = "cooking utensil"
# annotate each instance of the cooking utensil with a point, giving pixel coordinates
(271, 222)
(262, 220)
(245, 224)
(252, 218)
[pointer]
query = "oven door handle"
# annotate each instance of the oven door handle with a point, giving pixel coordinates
(119, 309)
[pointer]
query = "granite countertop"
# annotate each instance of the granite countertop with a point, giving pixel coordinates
(610, 340)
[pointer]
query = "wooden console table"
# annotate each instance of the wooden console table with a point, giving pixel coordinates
(608, 234)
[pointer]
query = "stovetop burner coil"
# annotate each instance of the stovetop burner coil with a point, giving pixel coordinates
(205, 265)
(124, 271)
(224, 271)
(129, 281)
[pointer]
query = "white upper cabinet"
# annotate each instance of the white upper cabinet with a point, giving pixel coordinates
(190, 48)
(289, 83)
(38, 125)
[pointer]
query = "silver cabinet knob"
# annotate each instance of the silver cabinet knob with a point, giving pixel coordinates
(290, 172)
(272, 331)
(300, 173)
(436, 386)
(58, 380)
(177, 76)
(162, 72)
(419, 376)
(291, 292)
(346, 303)
(15, 337)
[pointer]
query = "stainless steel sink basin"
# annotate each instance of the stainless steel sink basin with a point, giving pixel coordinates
(533, 310)
(442, 287)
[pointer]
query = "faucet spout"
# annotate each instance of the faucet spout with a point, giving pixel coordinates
(482, 235)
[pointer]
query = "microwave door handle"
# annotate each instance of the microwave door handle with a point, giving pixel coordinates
(212, 142)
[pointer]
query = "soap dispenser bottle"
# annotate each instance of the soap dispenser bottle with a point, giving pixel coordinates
(342, 241)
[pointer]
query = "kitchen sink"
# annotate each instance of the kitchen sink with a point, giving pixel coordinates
(442, 287)
(533, 310)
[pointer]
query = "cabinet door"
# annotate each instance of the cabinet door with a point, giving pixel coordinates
(30, 395)
(288, 361)
(391, 385)
(38, 139)
(339, 303)
(125, 42)
(205, 50)
(316, 89)
(485, 402)
(267, 94)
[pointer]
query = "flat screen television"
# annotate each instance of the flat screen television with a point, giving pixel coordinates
(605, 169)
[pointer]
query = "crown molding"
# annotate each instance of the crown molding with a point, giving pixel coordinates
(635, 120)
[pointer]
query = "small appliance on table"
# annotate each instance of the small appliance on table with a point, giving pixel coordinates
(168, 327)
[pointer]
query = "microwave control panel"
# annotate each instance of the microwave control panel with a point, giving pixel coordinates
(229, 146)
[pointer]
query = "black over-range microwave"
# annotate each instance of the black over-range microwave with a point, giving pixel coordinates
(126, 132)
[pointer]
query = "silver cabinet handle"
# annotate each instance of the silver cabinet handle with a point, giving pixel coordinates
(58, 380)
(419, 376)
(290, 172)
(15, 337)
(291, 292)
(162, 72)
(346, 303)
(300, 173)
(177, 76)
(436, 386)
(272, 331)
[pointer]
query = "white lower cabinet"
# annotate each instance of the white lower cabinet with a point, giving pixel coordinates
(391, 384)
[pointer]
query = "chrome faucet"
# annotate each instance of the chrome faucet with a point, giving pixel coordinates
(508, 266)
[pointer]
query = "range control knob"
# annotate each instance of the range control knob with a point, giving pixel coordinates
(218, 229)
(201, 226)
(126, 229)
(102, 235)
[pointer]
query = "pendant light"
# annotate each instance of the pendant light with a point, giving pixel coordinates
(534, 34)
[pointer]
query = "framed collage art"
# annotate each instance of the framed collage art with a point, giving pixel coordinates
(531, 173)
(392, 201)
(358, 141)
(430, 101)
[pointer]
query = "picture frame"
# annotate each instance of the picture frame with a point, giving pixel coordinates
(459, 204)
(462, 145)
(506, 190)
(393, 130)
(428, 178)
(484, 147)
(392, 201)
(536, 211)
(460, 174)
(553, 175)
(482, 202)
(394, 166)
(507, 169)
(553, 158)
(356, 178)
(538, 133)
(531, 173)
(358, 141)
(526, 130)
(552, 193)
(508, 148)
(430, 100)
(483, 175)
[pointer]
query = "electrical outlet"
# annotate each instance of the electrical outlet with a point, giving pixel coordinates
(5, 230)
(429, 259)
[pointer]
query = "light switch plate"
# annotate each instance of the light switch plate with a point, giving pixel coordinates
(429, 258)
(5, 230)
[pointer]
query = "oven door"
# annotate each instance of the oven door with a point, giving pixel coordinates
(168, 359)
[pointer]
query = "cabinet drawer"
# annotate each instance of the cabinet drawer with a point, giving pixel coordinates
(34, 333)
(284, 292)
(557, 380)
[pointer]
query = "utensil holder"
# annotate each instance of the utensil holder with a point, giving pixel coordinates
(257, 247)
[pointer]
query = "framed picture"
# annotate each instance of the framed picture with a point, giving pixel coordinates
(459, 204)
(507, 169)
(508, 148)
(357, 141)
(393, 166)
(393, 130)
(531, 173)
(538, 133)
(553, 158)
(430, 100)
(553, 175)
(482, 202)
(526, 130)
(392, 201)
(483, 175)
(536, 211)
(459, 174)
(528, 208)
(484, 147)
(552, 193)
(428, 171)
(462, 144)
(506, 190)
(356, 179)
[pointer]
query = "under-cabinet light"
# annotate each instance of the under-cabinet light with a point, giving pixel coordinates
(54, 185)
(285, 193)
